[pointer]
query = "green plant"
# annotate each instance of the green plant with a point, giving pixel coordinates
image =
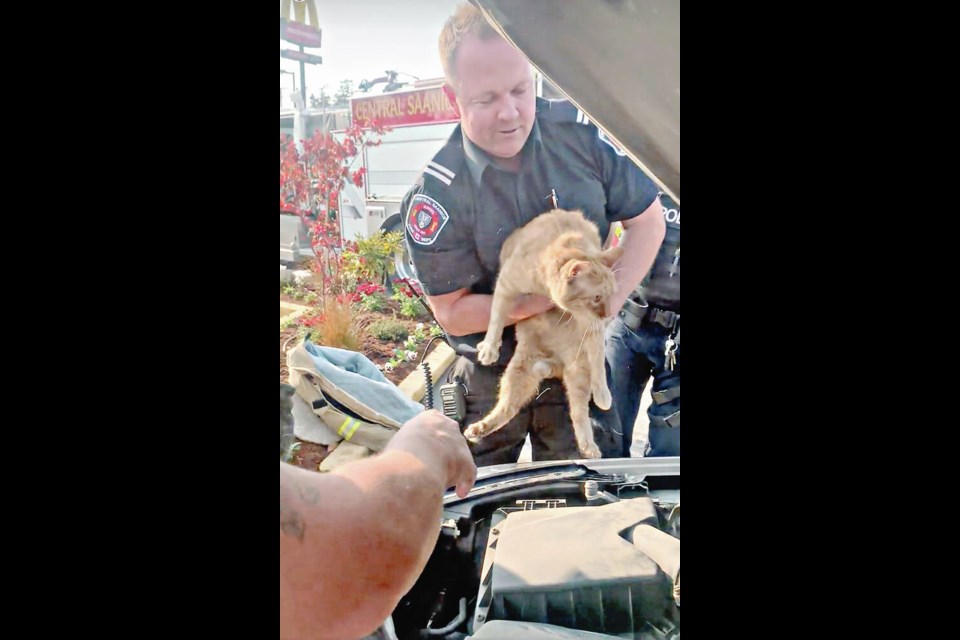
(419, 334)
(388, 329)
(372, 259)
(401, 355)
(370, 296)
(292, 451)
(410, 307)
(374, 302)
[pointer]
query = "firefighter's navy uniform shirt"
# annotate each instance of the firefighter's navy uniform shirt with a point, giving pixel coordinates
(463, 207)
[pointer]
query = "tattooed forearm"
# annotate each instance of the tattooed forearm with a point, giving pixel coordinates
(292, 525)
(290, 521)
(310, 495)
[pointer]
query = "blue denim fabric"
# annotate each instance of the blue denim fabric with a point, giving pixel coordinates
(632, 358)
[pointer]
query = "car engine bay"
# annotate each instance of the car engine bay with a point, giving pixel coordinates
(564, 551)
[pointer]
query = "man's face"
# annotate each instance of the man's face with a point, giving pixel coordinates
(495, 95)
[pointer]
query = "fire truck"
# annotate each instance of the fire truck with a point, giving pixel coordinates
(421, 120)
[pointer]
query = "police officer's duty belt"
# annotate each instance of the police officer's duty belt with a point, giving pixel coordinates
(633, 315)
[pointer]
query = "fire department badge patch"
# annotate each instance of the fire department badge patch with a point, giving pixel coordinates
(425, 219)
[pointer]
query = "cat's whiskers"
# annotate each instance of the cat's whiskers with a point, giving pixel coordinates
(581, 341)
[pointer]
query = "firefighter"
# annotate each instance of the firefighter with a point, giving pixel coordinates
(512, 157)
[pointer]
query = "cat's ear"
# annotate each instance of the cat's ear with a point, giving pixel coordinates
(573, 268)
(611, 255)
(568, 240)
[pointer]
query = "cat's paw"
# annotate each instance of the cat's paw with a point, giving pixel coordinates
(487, 353)
(602, 398)
(589, 450)
(474, 432)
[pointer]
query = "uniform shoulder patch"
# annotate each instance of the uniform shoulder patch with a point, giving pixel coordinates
(440, 172)
(425, 219)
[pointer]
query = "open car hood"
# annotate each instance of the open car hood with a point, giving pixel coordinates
(617, 60)
(572, 548)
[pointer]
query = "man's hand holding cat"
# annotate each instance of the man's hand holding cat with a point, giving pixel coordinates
(530, 304)
(526, 306)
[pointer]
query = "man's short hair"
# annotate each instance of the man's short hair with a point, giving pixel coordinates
(466, 20)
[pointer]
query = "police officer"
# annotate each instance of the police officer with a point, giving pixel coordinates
(644, 341)
(513, 157)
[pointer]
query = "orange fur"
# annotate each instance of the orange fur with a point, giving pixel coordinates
(557, 254)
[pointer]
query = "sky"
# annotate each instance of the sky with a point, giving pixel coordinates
(363, 38)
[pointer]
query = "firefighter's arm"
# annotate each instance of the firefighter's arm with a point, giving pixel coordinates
(354, 541)
(462, 313)
(641, 239)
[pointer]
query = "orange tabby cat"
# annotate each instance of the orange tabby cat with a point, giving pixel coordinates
(557, 254)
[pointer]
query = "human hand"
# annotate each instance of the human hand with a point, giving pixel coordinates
(436, 440)
(530, 304)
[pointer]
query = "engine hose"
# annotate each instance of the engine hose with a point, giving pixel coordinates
(428, 395)
(662, 548)
(456, 622)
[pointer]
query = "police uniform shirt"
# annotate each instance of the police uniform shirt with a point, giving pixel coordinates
(661, 287)
(464, 207)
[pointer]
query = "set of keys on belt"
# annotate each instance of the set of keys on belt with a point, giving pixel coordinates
(670, 351)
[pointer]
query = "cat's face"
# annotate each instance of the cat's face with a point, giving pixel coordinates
(587, 284)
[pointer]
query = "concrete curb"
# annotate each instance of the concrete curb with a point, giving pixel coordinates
(296, 310)
(440, 359)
